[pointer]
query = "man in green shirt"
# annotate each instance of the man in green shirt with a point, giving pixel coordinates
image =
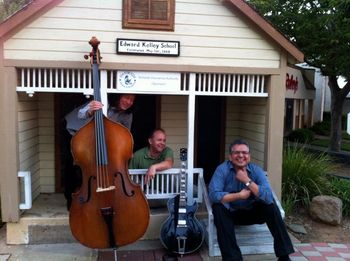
(155, 157)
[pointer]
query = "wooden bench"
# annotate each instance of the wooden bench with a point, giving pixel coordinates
(252, 239)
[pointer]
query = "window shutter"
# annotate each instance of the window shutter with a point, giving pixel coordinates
(149, 14)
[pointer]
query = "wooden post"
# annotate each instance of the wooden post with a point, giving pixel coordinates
(275, 124)
(9, 141)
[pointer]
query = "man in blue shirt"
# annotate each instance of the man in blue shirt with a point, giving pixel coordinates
(241, 195)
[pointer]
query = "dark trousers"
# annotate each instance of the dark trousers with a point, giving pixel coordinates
(226, 220)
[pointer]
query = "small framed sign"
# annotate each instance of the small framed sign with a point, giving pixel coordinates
(148, 47)
(149, 81)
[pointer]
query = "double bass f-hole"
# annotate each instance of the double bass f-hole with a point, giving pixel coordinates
(83, 199)
(132, 193)
(108, 210)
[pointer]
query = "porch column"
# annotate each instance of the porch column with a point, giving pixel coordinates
(190, 135)
(275, 120)
(9, 187)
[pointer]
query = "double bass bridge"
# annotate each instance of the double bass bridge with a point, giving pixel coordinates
(99, 189)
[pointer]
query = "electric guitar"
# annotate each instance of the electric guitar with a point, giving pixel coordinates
(181, 232)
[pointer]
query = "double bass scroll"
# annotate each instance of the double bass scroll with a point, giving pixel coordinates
(108, 210)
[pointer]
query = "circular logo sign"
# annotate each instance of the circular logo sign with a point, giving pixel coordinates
(127, 79)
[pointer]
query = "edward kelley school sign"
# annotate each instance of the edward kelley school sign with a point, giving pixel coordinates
(148, 47)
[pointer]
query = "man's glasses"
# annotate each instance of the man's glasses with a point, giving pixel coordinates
(236, 152)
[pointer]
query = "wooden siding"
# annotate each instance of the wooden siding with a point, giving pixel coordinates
(209, 34)
(46, 143)
(174, 122)
(28, 136)
(246, 119)
(36, 141)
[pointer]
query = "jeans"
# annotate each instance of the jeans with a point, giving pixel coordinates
(260, 213)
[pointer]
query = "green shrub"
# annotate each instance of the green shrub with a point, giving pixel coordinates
(304, 175)
(288, 202)
(322, 128)
(301, 136)
(327, 116)
(327, 119)
(341, 189)
(345, 136)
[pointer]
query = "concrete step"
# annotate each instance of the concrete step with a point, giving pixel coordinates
(47, 222)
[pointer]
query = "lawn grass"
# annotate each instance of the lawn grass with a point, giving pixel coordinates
(346, 136)
(325, 143)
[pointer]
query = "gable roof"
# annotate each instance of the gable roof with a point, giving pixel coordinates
(254, 17)
(37, 7)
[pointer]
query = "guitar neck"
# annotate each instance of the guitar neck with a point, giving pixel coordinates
(183, 178)
(183, 185)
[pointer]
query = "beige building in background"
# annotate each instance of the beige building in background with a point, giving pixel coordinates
(300, 98)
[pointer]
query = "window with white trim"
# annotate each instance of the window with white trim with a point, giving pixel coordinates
(149, 14)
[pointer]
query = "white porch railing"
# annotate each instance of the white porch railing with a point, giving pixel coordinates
(72, 80)
(166, 184)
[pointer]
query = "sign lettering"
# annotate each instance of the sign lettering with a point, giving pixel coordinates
(292, 84)
(148, 47)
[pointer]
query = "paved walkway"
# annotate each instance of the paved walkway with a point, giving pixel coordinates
(321, 252)
(69, 252)
(304, 252)
(153, 251)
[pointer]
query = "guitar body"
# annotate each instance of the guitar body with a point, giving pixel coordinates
(181, 232)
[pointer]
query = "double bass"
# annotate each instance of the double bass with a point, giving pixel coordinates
(108, 210)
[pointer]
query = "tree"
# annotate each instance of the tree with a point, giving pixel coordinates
(8, 7)
(321, 29)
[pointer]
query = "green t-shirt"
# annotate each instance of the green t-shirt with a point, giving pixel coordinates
(142, 160)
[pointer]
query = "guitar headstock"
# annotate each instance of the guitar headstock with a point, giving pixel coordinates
(183, 154)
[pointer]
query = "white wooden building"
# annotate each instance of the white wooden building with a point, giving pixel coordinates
(224, 79)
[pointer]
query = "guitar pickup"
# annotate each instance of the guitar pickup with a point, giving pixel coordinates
(181, 223)
(182, 210)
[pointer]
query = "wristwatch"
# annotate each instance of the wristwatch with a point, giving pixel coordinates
(248, 183)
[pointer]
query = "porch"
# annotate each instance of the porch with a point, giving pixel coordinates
(47, 222)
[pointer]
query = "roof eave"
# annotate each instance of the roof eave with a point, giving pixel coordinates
(25, 15)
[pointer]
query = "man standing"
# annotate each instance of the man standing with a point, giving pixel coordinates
(155, 157)
(241, 195)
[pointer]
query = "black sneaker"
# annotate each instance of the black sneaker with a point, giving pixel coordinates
(284, 258)
(169, 257)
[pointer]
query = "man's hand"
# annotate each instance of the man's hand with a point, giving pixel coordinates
(242, 175)
(245, 193)
(150, 174)
(94, 106)
(242, 195)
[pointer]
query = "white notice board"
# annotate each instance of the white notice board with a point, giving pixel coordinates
(149, 81)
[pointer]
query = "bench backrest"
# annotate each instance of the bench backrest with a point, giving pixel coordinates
(166, 184)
